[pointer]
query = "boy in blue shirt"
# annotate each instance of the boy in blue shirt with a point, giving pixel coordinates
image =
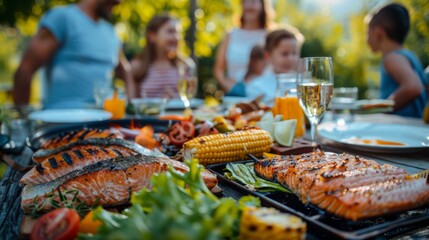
(402, 75)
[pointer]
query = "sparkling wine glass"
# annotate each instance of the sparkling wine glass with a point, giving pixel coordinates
(187, 84)
(315, 83)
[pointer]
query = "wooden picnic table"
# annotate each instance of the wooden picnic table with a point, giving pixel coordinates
(11, 213)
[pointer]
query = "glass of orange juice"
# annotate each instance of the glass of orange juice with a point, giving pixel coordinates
(286, 102)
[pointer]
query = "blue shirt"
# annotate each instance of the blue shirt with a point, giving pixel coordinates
(389, 85)
(87, 55)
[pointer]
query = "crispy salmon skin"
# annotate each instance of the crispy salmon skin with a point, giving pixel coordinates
(76, 135)
(110, 181)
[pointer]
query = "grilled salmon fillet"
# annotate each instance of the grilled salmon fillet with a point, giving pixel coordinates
(78, 135)
(75, 158)
(44, 154)
(346, 185)
(111, 181)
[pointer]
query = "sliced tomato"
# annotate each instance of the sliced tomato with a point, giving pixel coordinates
(181, 132)
(60, 224)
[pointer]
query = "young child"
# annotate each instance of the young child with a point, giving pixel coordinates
(402, 76)
(282, 52)
(255, 68)
(155, 70)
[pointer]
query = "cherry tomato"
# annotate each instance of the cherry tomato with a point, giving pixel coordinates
(60, 224)
(181, 132)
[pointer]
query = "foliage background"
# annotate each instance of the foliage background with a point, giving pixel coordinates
(344, 40)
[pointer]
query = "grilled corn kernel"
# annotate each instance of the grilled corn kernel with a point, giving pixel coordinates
(268, 223)
(228, 147)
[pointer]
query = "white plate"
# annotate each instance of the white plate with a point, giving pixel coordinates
(70, 115)
(415, 138)
(177, 103)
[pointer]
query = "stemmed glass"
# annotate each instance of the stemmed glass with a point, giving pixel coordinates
(315, 83)
(187, 84)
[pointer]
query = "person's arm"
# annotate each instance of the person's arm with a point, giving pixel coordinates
(40, 50)
(220, 66)
(410, 86)
(136, 72)
(123, 71)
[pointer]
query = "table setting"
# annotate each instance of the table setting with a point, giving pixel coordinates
(239, 142)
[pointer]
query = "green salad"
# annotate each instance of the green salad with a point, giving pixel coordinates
(179, 206)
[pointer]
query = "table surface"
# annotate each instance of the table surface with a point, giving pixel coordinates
(10, 191)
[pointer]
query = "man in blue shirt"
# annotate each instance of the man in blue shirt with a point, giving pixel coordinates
(78, 49)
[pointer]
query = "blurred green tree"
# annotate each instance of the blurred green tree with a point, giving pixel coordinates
(344, 41)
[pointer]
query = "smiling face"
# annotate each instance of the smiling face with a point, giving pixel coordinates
(284, 57)
(166, 39)
(104, 8)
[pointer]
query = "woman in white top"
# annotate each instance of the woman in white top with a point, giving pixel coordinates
(234, 51)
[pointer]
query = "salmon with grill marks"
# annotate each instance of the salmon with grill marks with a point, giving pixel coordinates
(346, 185)
(75, 158)
(76, 135)
(44, 154)
(111, 181)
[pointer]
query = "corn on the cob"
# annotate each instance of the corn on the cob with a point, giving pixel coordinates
(268, 223)
(227, 147)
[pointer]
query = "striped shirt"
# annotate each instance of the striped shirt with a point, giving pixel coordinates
(160, 83)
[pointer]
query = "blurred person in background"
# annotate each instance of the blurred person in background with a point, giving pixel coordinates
(402, 75)
(155, 69)
(255, 68)
(234, 51)
(282, 50)
(77, 47)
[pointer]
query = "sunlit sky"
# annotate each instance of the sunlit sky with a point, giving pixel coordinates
(339, 9)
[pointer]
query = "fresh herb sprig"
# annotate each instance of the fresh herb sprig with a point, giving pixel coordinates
(59, 199)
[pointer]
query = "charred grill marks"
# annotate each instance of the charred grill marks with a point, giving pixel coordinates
(84, 133)
(111, 135)
(53, 163)
(92, 151)
(67, 158)
(78, 153)
(104, 150)
(118, 153)
(71, 135)
(40, 168)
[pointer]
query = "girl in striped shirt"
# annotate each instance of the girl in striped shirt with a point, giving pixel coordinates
(155, 68)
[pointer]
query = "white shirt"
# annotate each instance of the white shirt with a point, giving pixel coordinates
(266, 85)
(238, 50)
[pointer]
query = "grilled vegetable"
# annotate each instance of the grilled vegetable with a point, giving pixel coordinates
(268, 223)
(227, 147)
(245, 174)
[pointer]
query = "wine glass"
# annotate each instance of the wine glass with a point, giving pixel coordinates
(187, 84)
(315, 83)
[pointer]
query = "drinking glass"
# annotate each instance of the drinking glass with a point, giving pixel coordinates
(102, 90)
(343, 102)
(315, 83)
(187, 84)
